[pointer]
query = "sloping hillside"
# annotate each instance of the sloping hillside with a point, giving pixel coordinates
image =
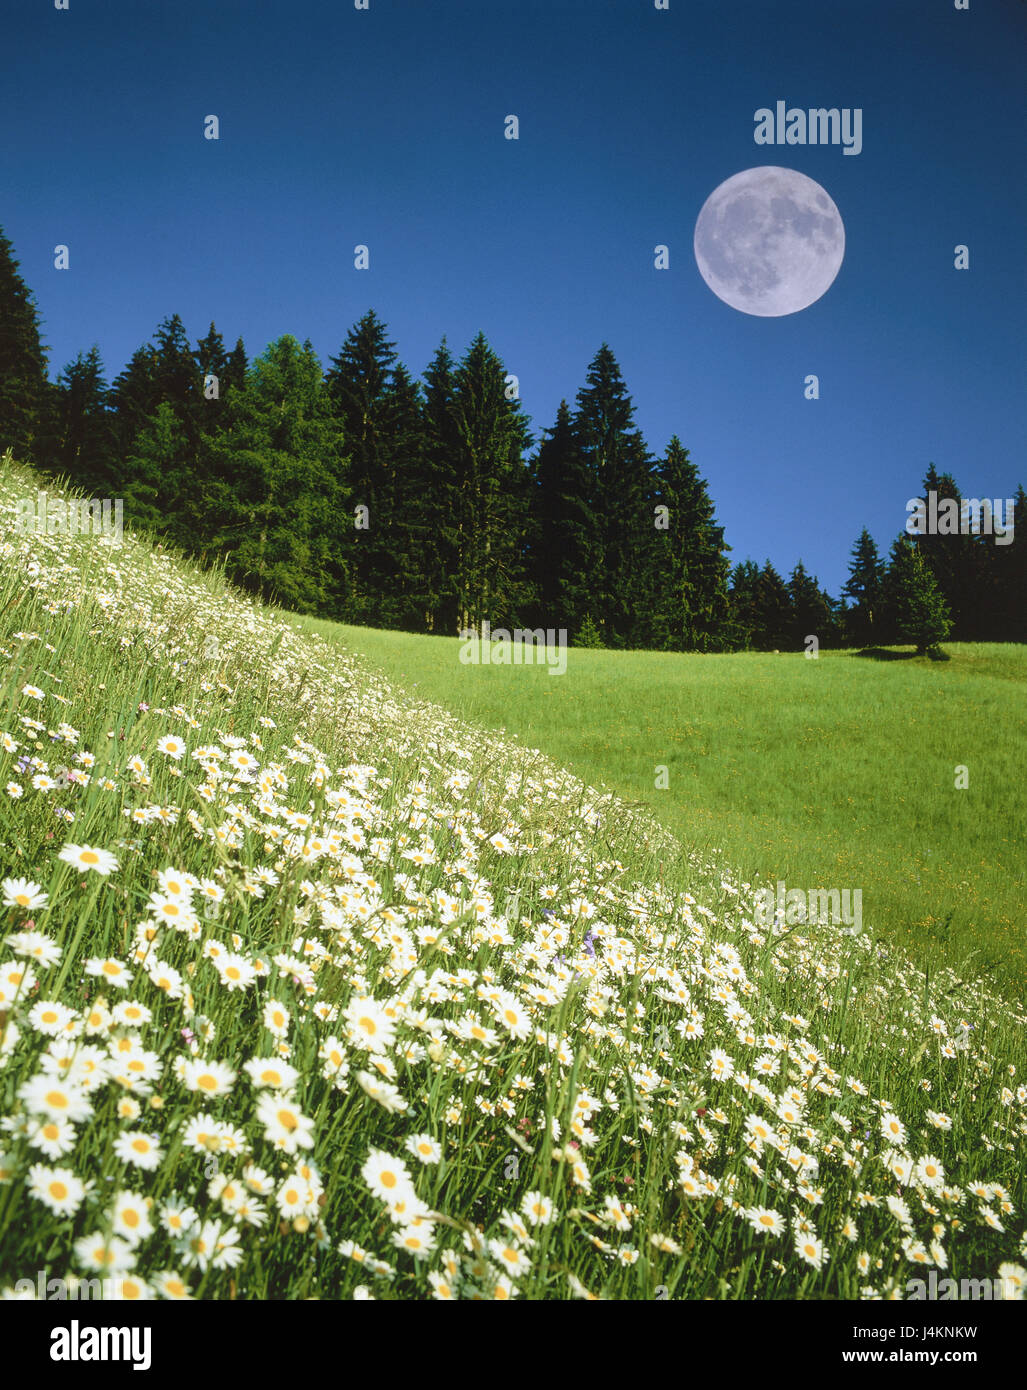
(310, 990)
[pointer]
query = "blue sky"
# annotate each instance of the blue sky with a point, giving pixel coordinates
(385, 127)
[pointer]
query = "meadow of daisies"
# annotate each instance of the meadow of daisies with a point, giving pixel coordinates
(309, 990)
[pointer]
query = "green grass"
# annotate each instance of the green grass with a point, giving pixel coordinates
(835, 772)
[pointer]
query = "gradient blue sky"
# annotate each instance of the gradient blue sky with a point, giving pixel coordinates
(385, 127)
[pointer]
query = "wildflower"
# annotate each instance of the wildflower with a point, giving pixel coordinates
(101, 861)
(139, 1150)
(23, 893)
(284, 1126)
(424, 1148)
(57, 1188)
(212, 1078)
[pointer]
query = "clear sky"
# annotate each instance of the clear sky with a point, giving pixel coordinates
(386, 127)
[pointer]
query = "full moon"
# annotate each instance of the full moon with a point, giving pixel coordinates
(769, 241)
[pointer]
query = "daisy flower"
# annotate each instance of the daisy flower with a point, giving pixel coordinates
(45, 1095)
(424, 1148)
(388, 1178)
(104, 1254)
(284, 1126)
(171, 1286)
(212, 1078)
(57, 1188)
(23, 893)
(278, 1076)
(139, 1150)
(765, 1221)
(130, 1217)
(171, 745)
(101, 861)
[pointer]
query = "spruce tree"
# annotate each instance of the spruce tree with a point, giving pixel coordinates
(276, 508)
(914, 609)
(491, 492)
(83, 442)
(774, 617)
(25, 393)
(564, 527)
(617, 563)
(863, 587)
(435, 512)
(689, 604)
(378, 404)
(812, 609)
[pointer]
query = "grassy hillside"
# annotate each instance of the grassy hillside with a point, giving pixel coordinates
(835, 772)
(309, 989)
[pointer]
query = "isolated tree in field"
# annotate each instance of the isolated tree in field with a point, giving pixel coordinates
(25, 392)
(914, 609)
(863, 587)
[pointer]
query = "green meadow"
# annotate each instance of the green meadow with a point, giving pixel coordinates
(839, 772)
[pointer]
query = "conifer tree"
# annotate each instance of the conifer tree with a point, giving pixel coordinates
(276, 508)
(914, 608)
(689, 605)
(812, 609)
(863, 587)
(774, 618)
(377, 404)
(83, 441)
(617, 560)
(26, 399)
(492, 492)
(563, 529)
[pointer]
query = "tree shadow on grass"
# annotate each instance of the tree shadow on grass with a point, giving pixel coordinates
(885, 654)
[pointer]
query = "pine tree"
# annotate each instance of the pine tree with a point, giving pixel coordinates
(812, 609)
(83, 442)
(863, 587)
(774, 617)
(435, 512)
(617, 561)
(378, 406)
(1006, 601)
(133, 400)
(563, 529)
(689, 606)
(492, 492)
(914, 608)
(25, 393)
(211, 361)
(951, 557)
(743, 615)
(272, 493)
